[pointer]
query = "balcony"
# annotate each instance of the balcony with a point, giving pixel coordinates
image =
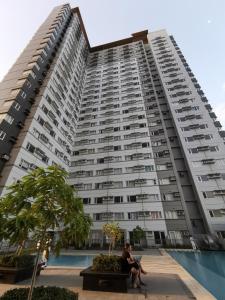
(214, 176)
(208, 161)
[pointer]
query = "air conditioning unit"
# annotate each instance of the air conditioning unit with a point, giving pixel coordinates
(172, 178)
(176, 194)
(169, 165)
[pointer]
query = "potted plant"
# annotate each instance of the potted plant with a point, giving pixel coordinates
(106, 274)
(40, 202)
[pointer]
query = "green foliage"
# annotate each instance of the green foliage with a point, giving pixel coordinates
(138, 234)
(41, 201)
(77, 231)
(113, 232)
(2, 221)
(40, 293)
(21, 261)
(103, 263)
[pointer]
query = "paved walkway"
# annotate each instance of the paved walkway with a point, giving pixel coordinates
(166, 280)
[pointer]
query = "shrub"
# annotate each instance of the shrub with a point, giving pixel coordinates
(109, 263)
(40, 293)
(21, 261)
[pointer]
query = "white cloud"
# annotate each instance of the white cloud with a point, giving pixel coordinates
(209, 21)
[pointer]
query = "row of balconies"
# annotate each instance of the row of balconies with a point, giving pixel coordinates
(114, 159)
(197, 137)
(142, 215)
(140, 182)
(211, 176)
(112, 171)
(203, 149)
(194, 127)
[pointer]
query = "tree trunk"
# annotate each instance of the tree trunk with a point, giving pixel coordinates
(20, 248)
(36, 266)
(109, 249)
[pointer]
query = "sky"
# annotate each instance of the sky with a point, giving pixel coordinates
(198, 27)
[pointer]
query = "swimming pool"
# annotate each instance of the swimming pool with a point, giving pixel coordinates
(208, 267)
(78, 261)
(82, 261)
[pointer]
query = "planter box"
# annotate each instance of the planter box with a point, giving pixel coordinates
(104, 281)
(13, 275)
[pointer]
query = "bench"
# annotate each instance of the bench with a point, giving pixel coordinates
(105, 281)
(13, 275)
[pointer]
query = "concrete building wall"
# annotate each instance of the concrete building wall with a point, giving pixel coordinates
(127, 119)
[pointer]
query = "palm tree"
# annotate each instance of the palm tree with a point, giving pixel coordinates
(42, 201)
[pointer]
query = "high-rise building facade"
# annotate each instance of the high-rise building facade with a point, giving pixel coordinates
(128, 121)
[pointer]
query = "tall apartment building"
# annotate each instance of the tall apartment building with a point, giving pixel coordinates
(128, 121)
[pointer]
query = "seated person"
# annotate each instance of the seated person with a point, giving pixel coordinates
(129, 264)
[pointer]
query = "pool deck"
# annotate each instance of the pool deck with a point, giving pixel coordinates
(166, 280)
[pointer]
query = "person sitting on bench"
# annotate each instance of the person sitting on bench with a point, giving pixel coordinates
(129, 264)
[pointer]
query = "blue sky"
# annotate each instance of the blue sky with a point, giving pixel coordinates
(198, 26)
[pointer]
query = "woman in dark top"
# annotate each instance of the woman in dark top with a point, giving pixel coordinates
(130, 265)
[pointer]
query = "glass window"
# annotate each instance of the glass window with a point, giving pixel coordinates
(2, 135)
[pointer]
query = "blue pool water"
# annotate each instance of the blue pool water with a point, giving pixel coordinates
(83, 261)
(208, 267)
(71, 260)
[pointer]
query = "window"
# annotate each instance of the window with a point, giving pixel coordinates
(164, 181)
(17, 106)
(23, 95)
(149, 168)
(99, 200)
(132, 198)
(174, 214)
(26, 165)
(168, 197)
(217, 213)
(145, 145)
(221, 234)
(9, 119)
(118, 199)
(118, 216)
(208, 194)
(86, 201)
(2, 135)
(30, 148)
(31, 65)
(117, 148)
